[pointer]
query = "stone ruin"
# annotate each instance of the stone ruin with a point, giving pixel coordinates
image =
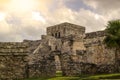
(66, 47)
(12, 60)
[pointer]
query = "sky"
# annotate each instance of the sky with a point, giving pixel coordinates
(28, 19)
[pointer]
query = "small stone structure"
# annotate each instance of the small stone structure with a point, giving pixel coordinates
(66, 47)
(12, 60)
(65, 29)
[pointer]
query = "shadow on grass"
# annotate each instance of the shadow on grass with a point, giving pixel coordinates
(81, 77)
(103, 76)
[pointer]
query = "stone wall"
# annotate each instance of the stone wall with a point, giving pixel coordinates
(69, 66)
(95, 34)
(43, 68)
(96, 51)
(65, 29)
(32, 45)
(42, 61)
(68, 57)
(12, 60)
(90, 68)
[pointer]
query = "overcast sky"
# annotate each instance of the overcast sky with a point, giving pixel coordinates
(28, 19)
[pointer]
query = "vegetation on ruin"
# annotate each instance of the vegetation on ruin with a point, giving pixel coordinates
(112, 39)
(81, 77)
(113, 34)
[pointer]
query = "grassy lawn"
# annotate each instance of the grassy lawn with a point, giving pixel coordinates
(82, 77)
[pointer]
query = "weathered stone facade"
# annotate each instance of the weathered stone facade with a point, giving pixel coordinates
(43, 60)
(77, 53)
(65, 29)
(96, 50)
(12, 60)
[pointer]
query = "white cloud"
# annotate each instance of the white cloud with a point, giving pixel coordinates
(92, 21)
(109, 9)
(37, 16)
(2, 16)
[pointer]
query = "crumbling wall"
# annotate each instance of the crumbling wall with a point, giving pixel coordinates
(69, 59)
(12, 60)
(42, 61)
(96, 51)
(32, 45)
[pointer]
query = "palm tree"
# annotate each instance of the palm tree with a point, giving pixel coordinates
(112, 39)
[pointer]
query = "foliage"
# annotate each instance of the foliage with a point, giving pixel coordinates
(113, 34)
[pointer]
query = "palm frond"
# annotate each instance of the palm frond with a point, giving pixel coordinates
(113, 34)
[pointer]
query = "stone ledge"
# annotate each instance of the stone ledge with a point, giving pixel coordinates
(16, 54)
(95, 34)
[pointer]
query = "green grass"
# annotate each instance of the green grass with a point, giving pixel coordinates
(81, 77)
(105, 76)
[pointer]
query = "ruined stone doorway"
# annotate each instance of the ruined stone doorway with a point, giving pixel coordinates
(58, 65)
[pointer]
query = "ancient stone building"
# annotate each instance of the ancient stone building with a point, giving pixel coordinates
(68, 48)
(65, 29)
(73, 51)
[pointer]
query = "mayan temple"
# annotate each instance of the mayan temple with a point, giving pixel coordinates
(65, 47)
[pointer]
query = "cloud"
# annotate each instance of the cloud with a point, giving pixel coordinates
(28, 19)
(76, 5)
(19, 24)
(109, 9)
(91, 20)
(104, 5)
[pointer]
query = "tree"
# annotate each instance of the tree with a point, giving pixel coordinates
(112, 39)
